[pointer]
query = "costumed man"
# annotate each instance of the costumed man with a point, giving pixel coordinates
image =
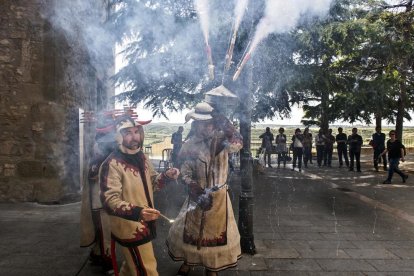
(94, 223)
(205, 232)
(127, 180)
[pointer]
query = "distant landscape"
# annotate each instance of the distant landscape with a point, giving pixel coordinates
(157, 132)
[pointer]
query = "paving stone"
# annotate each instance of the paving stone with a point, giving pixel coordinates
(285, 253)
(251, 263)
(393, 265)
(283, 244)
(323, 253)
(268, 236)
(404, 253)
(377, 253)
(293, 264)
(302, 236)
(331, 244)
(344, 265)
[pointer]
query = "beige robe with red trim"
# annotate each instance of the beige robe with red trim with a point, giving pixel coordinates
(220, 239)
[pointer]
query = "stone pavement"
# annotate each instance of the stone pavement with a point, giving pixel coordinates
(324, 221)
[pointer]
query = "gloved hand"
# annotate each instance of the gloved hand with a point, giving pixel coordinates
(194, 190)
(205, 201)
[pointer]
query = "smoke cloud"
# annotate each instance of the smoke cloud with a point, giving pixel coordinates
(281, 16)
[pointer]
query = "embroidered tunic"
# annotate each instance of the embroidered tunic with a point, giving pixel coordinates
(127, 185)
(219, 238)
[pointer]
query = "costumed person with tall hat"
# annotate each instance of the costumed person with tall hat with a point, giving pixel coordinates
(127, 180)
(205, 232)
(94, 221)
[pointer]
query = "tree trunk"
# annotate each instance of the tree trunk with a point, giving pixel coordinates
(324, 114)
(378, 120)
(405, 68)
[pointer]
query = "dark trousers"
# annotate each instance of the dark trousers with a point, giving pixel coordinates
(319, 154)
(307, 155)
(378, 157)
(297, 155)
(327, 159)
(342, 152)
(357, 156)
(268, 154)
(281, 156)
(394, 162)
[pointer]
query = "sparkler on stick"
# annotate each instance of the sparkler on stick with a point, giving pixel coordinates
(210, 62)
(240, 67)
(239, 10)
(229, 54)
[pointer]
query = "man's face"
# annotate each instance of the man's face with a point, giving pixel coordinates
(131, 138)
(205, 128)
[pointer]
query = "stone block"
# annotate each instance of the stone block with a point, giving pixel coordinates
(47, 190)
(9, 170)
(19, 191)
(50, 170)
(30, 169)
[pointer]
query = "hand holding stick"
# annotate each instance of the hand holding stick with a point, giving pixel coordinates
(163, 216)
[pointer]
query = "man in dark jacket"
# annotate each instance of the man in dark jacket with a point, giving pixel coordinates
(355, 144)
(342, 147)
(395, 151)
(378, 144)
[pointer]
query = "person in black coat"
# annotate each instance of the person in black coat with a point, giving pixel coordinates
(355, 144)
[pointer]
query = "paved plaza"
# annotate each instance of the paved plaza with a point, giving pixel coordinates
(321, 221)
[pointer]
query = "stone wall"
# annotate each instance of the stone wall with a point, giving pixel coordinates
(44, 81)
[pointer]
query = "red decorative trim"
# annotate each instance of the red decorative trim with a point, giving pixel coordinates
(218, 241)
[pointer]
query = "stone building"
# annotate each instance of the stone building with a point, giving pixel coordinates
(48, 76)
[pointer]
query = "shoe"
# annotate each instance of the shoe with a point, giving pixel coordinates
(184, 270)
(270, 166)
(386, 182)
(300, 170)
(211, 273)
(351, 170)
(292, 169)
(358, 170)
(405, 178)
(340, 166)
(376, 169)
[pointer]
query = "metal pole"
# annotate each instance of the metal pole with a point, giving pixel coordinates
(246, 168)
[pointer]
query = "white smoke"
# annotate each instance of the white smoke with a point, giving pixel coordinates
(239, 11)
(281, 16)
(202, 8)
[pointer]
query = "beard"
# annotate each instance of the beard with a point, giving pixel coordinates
(133, 145)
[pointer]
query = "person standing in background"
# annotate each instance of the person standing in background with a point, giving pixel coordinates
(267, 144)
(329, 141)
(297, 141)
(378, 144)
(320, 146)
(177, 141)
(355, 144)
(342, 147)
(307, 147)
(281, 147)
